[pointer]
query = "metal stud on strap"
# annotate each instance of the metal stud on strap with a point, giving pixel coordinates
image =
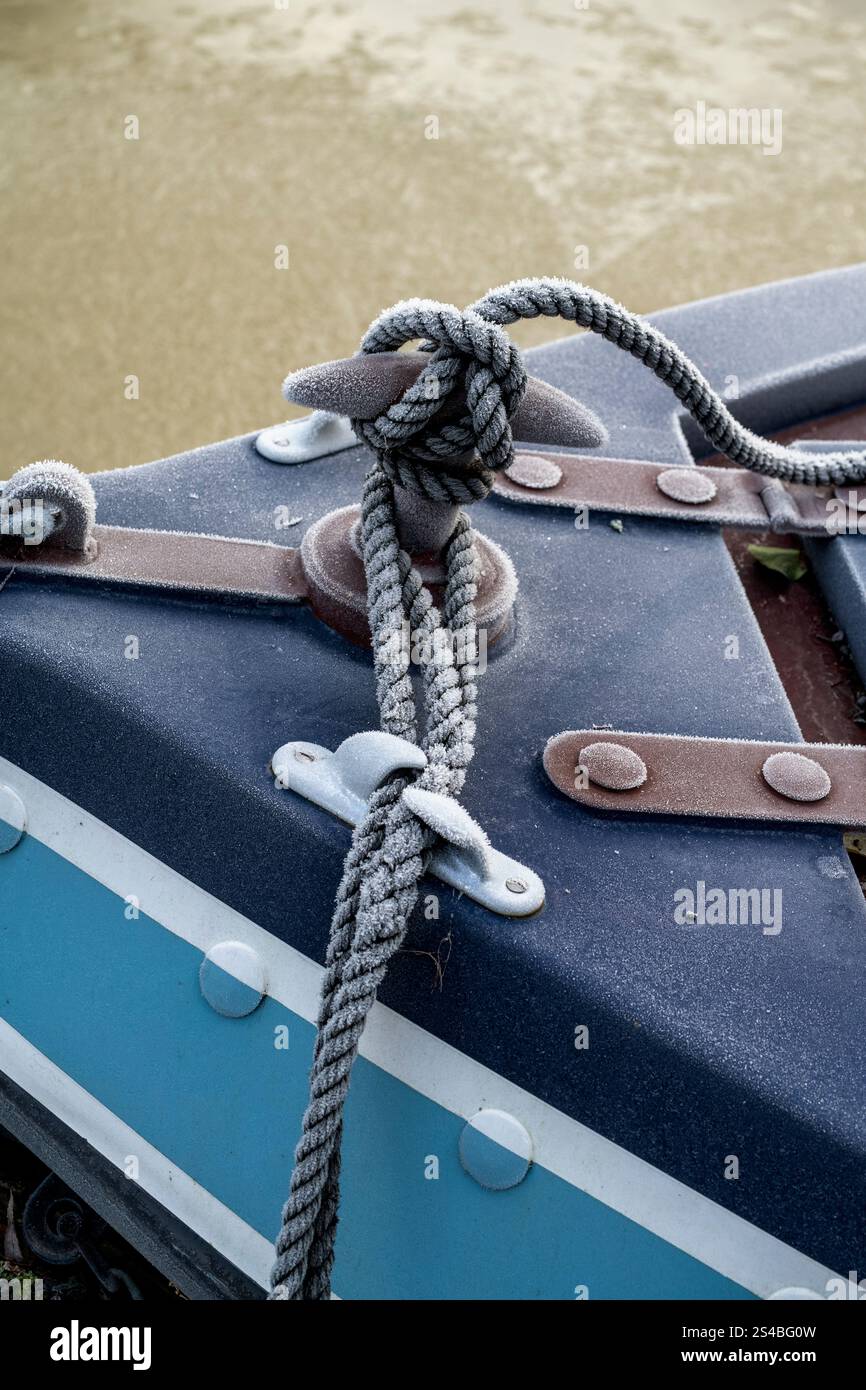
(670, 775)
(628, 487)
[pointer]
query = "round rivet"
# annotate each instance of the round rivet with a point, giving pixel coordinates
(796, 777)
(613, 767)
(686, 485)
(495, 1149)
(529, 470)
(13, 818)
(233, 979)
(515, 885)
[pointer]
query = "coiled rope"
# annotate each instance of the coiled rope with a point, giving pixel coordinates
(391, 847)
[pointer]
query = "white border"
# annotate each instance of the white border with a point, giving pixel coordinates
(171, 1186)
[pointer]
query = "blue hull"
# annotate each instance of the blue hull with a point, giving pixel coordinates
(147, 786)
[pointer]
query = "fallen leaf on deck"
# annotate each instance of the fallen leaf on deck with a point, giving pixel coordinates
(781, 559)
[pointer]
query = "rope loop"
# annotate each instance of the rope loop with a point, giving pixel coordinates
(469, 348)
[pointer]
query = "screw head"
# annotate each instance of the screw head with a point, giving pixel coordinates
(516, 885)
(68, 1224)
(533, 471)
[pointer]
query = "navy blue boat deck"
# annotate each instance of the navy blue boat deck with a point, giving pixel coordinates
(704, 1041)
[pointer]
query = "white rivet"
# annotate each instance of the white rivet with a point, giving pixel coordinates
(13, 818)
(515, 885)
(495, 1149)
(233, 978)
(686, 485)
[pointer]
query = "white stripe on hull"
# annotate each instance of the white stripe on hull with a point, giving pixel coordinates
(104, 1131)
(718, 1238)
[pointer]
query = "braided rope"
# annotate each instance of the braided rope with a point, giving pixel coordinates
(465, 347)
(527, 299)
(391, 847)
(466, 350)
(388, 857)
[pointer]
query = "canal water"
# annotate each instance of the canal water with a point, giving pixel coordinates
(199, 197)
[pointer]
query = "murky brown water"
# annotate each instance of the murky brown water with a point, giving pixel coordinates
(306, 126)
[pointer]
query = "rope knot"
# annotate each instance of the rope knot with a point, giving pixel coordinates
(470, 356)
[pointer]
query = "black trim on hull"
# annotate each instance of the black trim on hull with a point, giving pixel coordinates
(195, 1267)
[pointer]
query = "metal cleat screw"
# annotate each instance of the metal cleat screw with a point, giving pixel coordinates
(515, 885)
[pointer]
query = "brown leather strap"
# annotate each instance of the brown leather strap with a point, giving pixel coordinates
(713, 777)
(173, 561)
(629, 487)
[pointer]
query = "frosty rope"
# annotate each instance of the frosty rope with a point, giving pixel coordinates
(391, 847)
(466, 349)
(389, 854)
(455, 335)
